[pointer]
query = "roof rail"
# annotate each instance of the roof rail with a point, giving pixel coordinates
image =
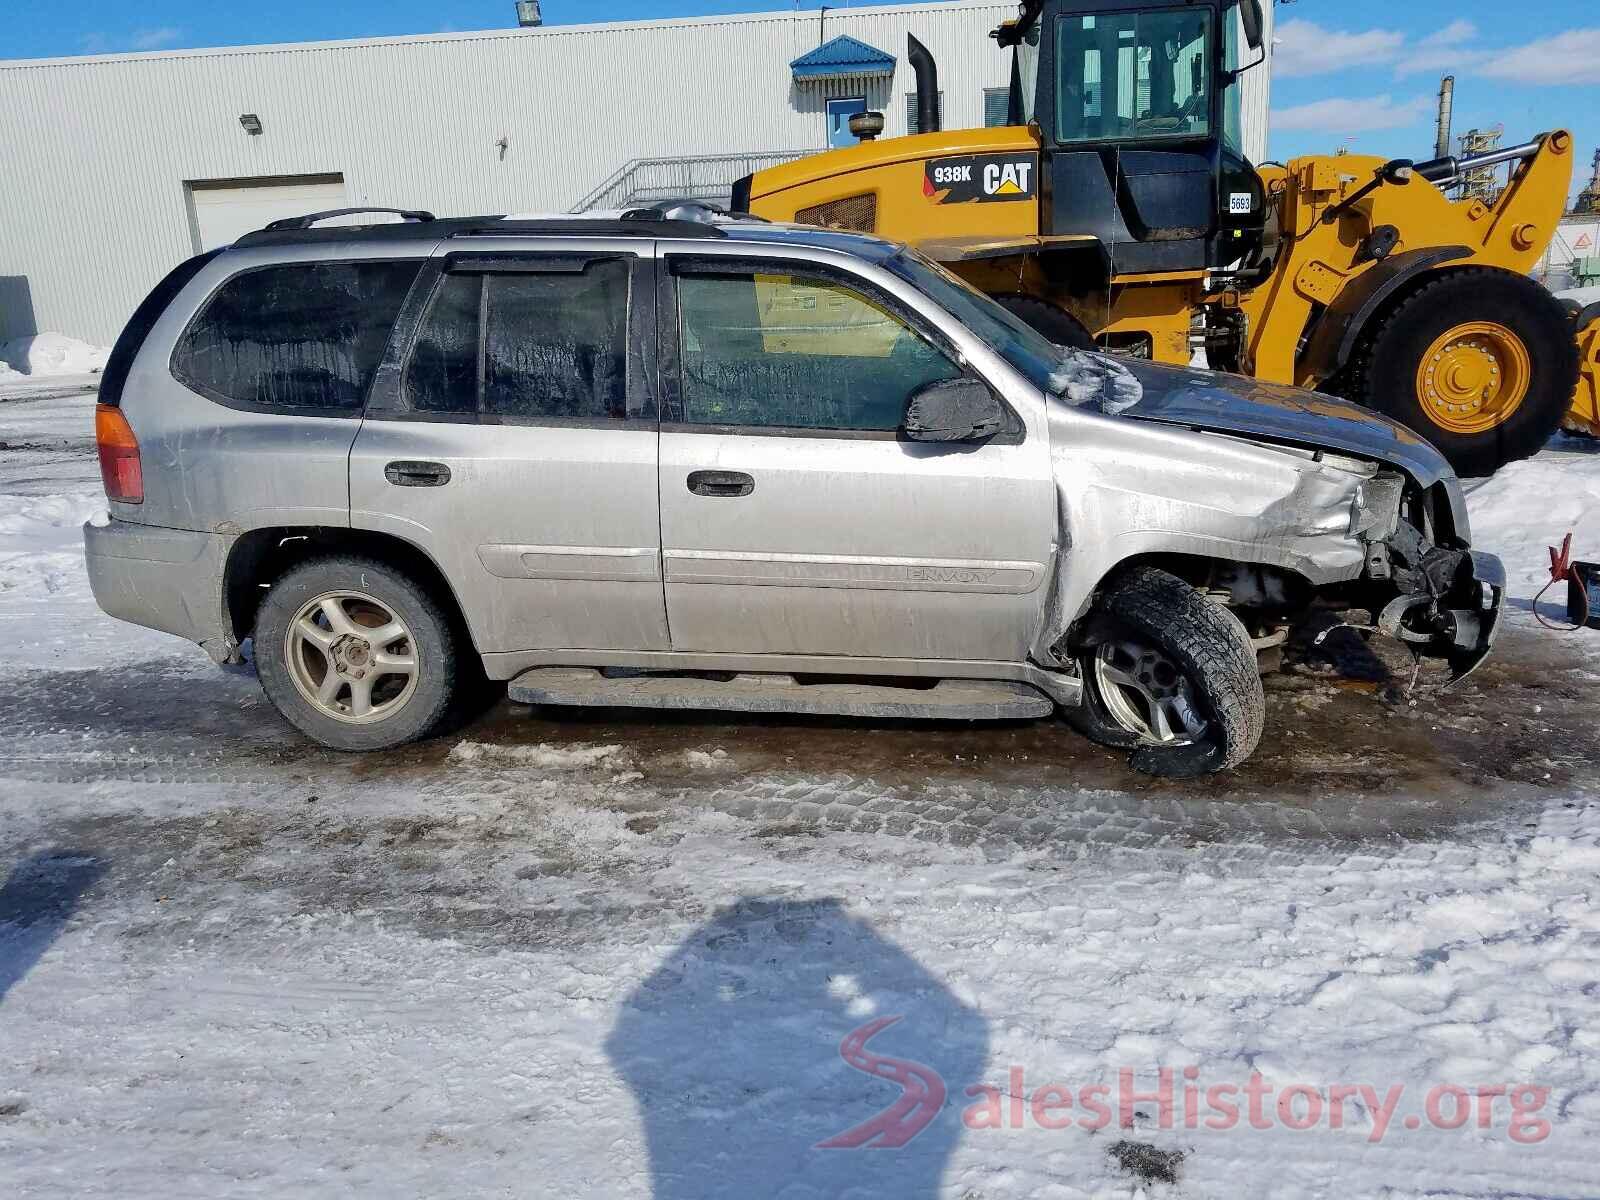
(310, 219)
(701, 212)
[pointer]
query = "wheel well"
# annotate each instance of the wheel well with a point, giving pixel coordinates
(261, 557)
(1373, 321)
(1259, 587)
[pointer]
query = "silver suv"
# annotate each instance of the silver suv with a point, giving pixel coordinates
(670, 459)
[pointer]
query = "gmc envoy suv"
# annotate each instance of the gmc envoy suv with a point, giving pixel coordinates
(676, 459)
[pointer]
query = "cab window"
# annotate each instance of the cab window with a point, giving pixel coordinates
(1131, 76)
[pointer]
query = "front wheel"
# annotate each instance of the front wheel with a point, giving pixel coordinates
(354, 654)
(1480, 362)
(1170, 676)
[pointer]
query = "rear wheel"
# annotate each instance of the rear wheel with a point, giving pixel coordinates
(1480, 362)
(1170, 676)
(356, 655)
(1060, 326)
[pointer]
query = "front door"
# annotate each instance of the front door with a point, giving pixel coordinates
(795, 518)
(511, 436)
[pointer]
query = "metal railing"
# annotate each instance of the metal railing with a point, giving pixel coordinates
(691, 177)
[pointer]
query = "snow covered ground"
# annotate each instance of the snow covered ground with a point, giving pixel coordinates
(615, 956)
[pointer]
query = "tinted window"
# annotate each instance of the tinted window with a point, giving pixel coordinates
(797, 352)
(525, 345)
(442, 375)
(307, 335)
(556, 345)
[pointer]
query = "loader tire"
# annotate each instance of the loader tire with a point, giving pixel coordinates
(1151, 639)
(1060, 326)
(1481, 362)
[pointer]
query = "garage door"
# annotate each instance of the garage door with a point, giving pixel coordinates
(224, 211)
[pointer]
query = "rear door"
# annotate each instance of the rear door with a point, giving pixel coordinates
(796, 519)
(512, 436)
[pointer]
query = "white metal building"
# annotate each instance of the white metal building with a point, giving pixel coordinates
(117, 167)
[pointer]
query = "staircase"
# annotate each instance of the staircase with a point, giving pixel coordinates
(647, 181)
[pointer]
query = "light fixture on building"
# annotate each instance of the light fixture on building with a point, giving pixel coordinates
(528, 13)
(251, 123)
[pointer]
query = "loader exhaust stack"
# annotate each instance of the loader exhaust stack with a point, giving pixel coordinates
(927, 73)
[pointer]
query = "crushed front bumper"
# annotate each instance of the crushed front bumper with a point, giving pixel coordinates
(1459, 625)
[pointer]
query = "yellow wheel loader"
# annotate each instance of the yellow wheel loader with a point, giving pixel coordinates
(1117, 209)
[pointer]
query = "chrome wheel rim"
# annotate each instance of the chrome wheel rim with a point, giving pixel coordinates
(351, 657)
(1147, 694)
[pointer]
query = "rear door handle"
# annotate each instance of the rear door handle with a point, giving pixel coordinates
(721, 483)
(417, 474)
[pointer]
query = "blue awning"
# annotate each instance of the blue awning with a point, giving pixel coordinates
(843, 58)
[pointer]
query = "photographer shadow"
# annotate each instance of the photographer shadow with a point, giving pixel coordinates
(788, 1048)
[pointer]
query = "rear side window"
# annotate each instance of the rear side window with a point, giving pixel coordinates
(525, 346)
(305, 336)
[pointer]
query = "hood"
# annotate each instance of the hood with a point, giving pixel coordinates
(1232, 404)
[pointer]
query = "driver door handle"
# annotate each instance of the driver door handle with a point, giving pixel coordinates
(729, 484)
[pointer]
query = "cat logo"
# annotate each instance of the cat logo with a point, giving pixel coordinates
(1007, 179)
(981, 178)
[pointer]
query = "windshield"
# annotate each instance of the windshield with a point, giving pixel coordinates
(1127, 76)
(1031, 353)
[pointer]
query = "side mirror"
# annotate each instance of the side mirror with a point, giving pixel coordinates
(954, 410)
(1254, 23)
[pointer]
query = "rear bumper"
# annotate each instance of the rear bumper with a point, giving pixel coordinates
(166, 579)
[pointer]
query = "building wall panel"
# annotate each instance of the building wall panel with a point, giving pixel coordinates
(96, 153)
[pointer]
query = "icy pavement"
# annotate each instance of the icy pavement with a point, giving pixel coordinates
(607, 956)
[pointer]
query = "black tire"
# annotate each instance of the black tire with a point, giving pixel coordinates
(1059, 326)
(1210, 648)
(433, 643)
(1382, 373)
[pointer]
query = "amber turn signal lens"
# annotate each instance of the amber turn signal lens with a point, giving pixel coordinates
(120, 468)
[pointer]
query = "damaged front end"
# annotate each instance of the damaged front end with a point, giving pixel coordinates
(1426, 588)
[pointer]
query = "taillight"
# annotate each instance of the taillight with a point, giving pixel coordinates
(119, 456)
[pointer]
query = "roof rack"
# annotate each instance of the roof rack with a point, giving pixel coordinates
(675, 220)
(310, 219)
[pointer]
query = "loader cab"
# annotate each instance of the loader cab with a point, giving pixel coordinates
(1138, 107)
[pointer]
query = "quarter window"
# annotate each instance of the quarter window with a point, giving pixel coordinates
(525, 346)
(299, 336)
(788, 351)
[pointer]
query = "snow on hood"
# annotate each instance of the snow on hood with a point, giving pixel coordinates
(1095, 382)
(53, 354)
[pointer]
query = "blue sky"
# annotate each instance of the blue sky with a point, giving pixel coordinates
(1363, 72)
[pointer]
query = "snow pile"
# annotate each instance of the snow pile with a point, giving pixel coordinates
(53, 354)
(1530, 506)
(703, 760)
(551, 758)
(1096, 381)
